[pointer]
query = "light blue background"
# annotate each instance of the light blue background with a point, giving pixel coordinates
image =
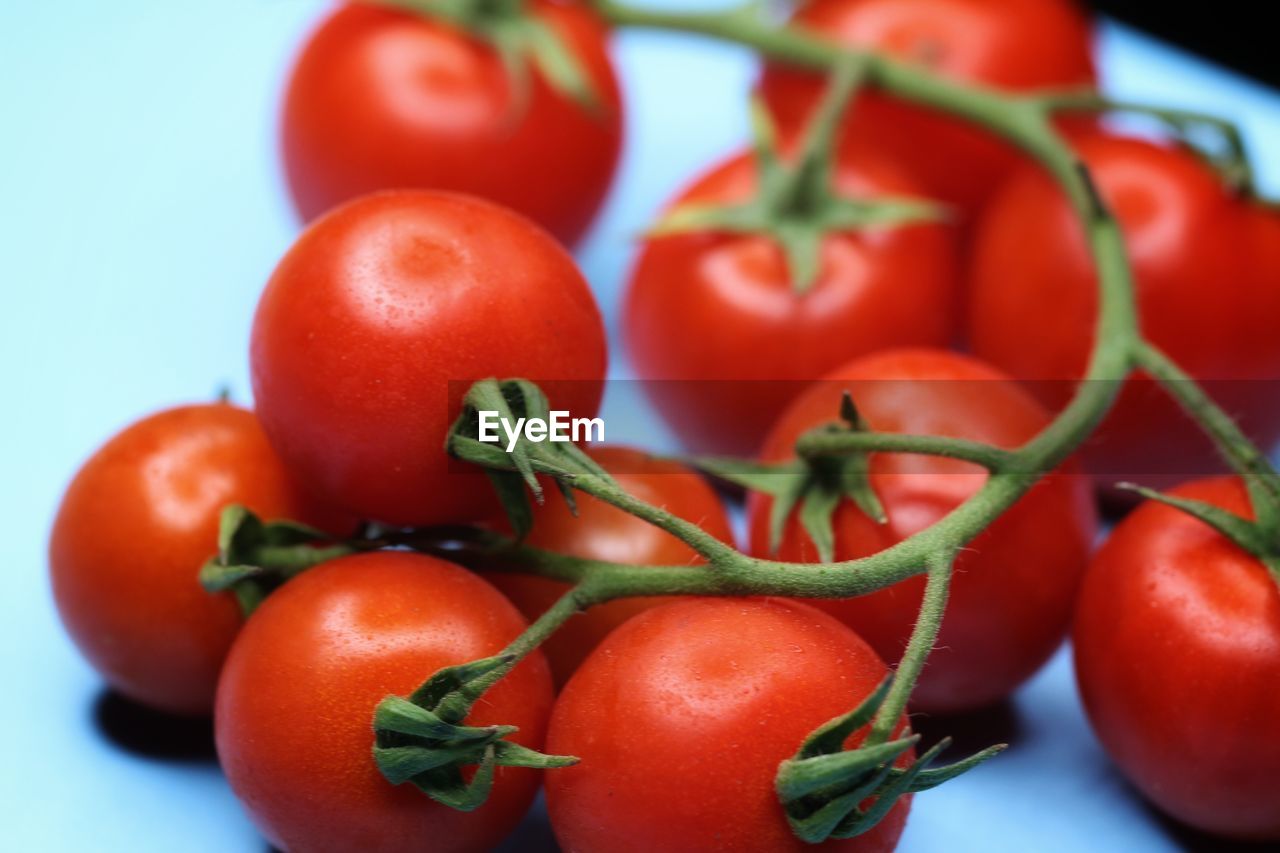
(140, 212)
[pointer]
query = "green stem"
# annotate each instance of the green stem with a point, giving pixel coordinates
(923, 636)
(691, 534)
(816, 444)
(458, 705)
(1239, 168)
(1241, 454)
(810, 184)
(290, 560)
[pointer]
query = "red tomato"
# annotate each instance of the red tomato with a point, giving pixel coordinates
(706, 312)
(1012, 45)
(377, 321)
(134, 528)
(1177, 649)
(296, 703)
(1202, 296)
(387, 99)
(1014, 585)
(602, 532)
(681, 717)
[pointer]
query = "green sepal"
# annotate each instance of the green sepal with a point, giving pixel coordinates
(401, 716)
(559, 65)
(523, 42)
(215, 577)
(514, 474)
(1239, 530)
(830, 736)
(400, 764)
(255, 557)
(796, 204)
(815, 485)
(932, 778)
(510, 488)
(830, 792)
(453, 679)
(422, 740)
(814, 774)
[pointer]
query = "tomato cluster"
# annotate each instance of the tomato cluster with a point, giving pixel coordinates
(441, 185)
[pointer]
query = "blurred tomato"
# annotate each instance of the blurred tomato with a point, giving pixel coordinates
(387, 99)
(716, 327)
(1011, 45)
(1207, 272)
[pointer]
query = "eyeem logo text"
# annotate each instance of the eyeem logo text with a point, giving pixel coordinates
(560, 427)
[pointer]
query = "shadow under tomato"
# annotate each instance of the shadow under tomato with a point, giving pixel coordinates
(147, 733)
(534, 834)
(971, 731)
(1194, 841)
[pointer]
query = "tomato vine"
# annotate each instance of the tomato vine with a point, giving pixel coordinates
(428, 731)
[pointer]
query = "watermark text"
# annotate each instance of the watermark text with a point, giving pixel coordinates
(558, 428)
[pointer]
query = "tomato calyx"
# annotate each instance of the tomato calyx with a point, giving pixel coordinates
(1259, 538)
(817, 483)
(514, 472)
(831, 792)
(795, 203)
(255, 556)
(422, 740)
(524, 42)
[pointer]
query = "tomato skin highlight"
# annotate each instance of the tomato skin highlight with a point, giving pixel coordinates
(602, 532)
(376, 322)
(1202, 282)
(1177, 654)
(1010, 45)
(385, 99)
(297, 697)
(706, 312)
(1014, 586)
(681, 717)
(134, 527)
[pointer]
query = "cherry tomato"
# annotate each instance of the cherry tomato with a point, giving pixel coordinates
(1177, 651)
(296, 703)
(135, 526)
(1013, 589)
(377, 321)
(707, 312)
(602, 532)
(681, 717)
(1012, 45)
(1202, 297)
(387, 99)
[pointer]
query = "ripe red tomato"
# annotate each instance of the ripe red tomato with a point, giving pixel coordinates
(681, 717)
(297, 697)
(707, 312)
(1203, 293)
(387, 99)
(1013, 45)
(1012, 593)
(376, 322)
(134, 528)
(602, 532)
(1177, 651)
